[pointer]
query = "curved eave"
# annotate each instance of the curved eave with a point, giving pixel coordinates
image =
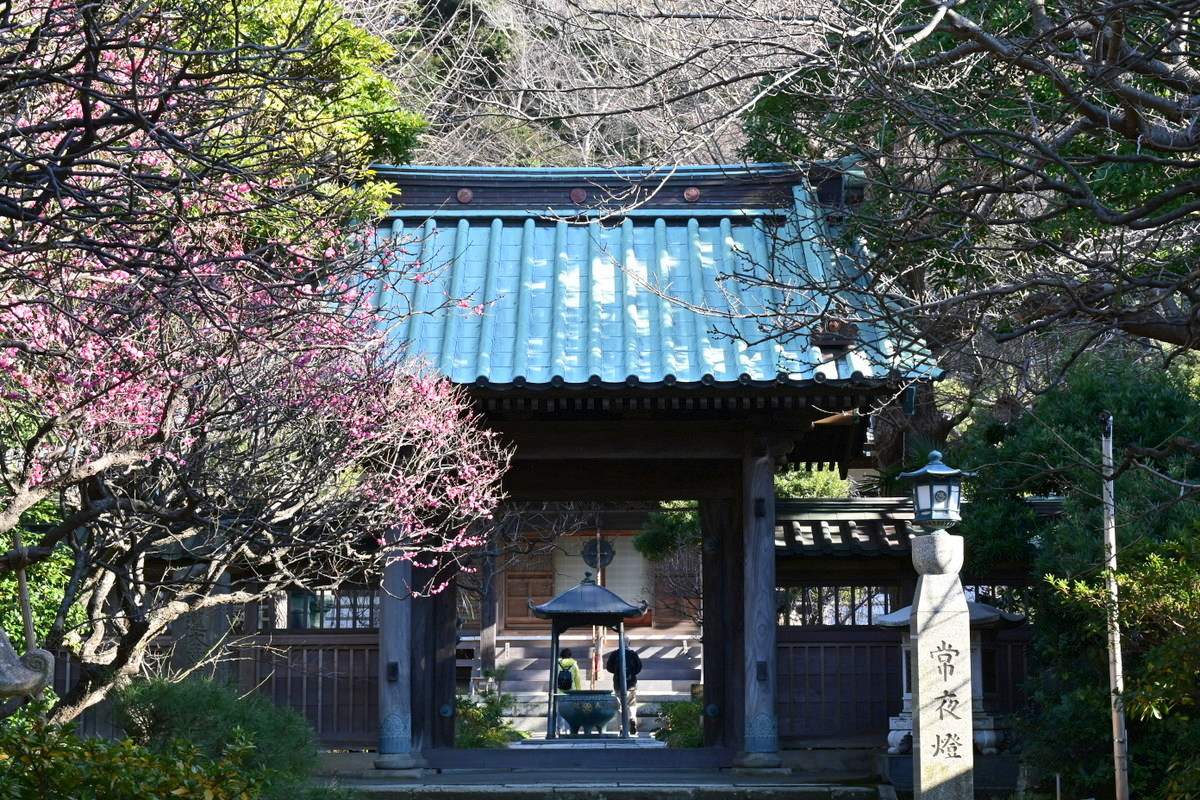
(590, 617)
(617, 611)
(981, 615)
(855, 381)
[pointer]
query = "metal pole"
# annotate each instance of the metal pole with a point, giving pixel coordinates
(624, 682)
(1116, 677)
(552, 701)
(23, 593)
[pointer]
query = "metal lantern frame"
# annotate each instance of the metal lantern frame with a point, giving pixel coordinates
(936, 493)
(587, 604)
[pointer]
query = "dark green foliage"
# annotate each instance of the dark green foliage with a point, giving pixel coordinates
(282, 749)
(46, 580)
(39, 761)
(681, 723)
(1053, 449)
(481, 723)
(479, 720)
(677, 526)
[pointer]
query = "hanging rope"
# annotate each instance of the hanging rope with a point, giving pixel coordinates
(23, 592)
(28, 675)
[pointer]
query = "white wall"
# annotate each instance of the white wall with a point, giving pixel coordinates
(627, 575)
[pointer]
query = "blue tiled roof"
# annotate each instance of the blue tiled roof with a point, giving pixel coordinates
(559, 296)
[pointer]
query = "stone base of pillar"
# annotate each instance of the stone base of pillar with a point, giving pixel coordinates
(401, 762)
(991, 733)
(751, 772)
(397, 774)
(758, 761)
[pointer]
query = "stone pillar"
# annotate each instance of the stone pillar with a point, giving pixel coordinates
(900, 726)
(202, 639)
(943, 757)
(761, 745)
(396, 750)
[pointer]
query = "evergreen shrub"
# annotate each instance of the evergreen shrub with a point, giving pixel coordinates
(479, 721)
(681, 723)
(283, 751)
(39, 760)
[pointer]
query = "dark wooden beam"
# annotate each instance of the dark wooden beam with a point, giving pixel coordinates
(721, 624)
(629, 439)
(839, 570)
(445, 609)
(696, 191)
(605, 480)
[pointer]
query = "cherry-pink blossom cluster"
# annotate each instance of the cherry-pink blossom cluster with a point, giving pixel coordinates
(156, 324)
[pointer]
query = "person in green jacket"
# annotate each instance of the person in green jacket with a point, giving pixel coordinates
(566, 677)
(566, 663)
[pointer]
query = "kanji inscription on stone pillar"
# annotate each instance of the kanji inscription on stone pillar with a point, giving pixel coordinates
(943, 759)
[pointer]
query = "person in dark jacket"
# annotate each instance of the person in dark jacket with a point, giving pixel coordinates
(633, 665)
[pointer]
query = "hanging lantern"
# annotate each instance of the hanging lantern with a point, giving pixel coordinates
(937, 495)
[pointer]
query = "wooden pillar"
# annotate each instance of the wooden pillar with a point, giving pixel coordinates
(760, 747)
(488, 616)
(444, 646)
(397, 748)
(722, 605)
(423, 658)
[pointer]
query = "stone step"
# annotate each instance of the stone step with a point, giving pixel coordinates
(648, 662)
(536, 724)
(674, 690)
(528, 705)
(519, 790)
(626, 770)
(539, 680)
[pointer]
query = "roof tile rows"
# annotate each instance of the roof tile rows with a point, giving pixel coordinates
(843, 527)
(648, 295)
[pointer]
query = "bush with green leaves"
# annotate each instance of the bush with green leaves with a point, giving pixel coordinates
(1053, 449)
(45, 579)
(677, 525)
(479, 720)
(681, 723)
(39, 760)
(282, 747)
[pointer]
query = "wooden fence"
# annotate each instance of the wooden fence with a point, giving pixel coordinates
(839, 686)
(332, 678)
(836, 686)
